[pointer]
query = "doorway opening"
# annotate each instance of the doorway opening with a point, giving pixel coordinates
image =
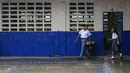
(110, 20)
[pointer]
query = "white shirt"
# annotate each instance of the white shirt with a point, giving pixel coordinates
(114, 35)
(84, 33)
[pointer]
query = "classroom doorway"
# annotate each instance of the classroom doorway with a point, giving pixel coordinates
(111, 19)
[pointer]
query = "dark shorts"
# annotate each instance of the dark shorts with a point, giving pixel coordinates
(114, 45)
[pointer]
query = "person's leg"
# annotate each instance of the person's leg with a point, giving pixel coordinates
(87, 51)
(112, 57)
(120, 54)
(82, 47)
(120, 50)
(113, 48)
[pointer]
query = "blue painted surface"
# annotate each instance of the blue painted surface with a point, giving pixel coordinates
(97, 69)
(40, 43)
(107, 69)
(126, 43)
(18, 72)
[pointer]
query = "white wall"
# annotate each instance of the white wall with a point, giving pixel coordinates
(58, 16)
(106, 5)
(60, 13)
(128, 12)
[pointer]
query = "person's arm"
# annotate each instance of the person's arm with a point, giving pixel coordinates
(89, 36)
(77, 38)
(109, 39)
(118, 40)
